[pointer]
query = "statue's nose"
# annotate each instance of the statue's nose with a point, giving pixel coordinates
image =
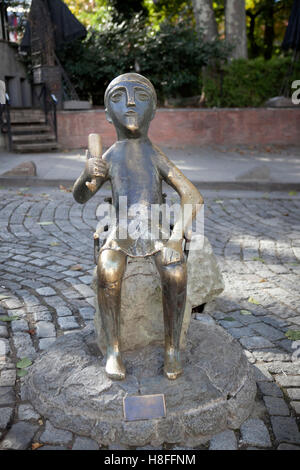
(130, 99)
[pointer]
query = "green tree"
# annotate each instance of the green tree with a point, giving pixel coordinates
(171, 57)
(267, 21)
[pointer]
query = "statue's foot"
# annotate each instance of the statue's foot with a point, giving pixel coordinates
(172, 368)
(114, 366)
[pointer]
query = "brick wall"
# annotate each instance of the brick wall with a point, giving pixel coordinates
(187, 127)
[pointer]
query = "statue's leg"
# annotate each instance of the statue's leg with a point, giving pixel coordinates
(173, 280)
(111, 267)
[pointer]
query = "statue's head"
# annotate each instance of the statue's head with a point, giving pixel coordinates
(130, 103)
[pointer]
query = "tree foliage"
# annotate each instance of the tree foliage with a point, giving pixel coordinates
(125, 47)
(266, 19)
(248, 83)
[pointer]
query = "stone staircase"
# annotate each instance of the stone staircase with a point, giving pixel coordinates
(30, 132)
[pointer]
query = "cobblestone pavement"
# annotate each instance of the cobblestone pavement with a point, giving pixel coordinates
(45, 273)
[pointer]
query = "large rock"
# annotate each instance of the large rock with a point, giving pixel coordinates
(68, 385)
(141, 298)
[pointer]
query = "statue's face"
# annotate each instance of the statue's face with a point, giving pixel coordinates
(130, 106)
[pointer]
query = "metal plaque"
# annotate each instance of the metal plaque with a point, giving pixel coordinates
(144, 407)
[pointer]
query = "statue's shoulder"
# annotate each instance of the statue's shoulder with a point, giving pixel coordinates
(160, 156)
(110, 153)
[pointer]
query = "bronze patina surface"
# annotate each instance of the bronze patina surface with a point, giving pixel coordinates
(144, 407)
(136, 169)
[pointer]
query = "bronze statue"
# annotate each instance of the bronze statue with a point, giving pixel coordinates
(136, 169)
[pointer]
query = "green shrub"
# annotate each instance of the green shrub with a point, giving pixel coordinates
(247, 83)
(171, 58)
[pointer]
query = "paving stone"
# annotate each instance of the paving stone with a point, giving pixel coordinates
(86, 291)
(117, 447)
(19, 325)
(255, 342)
(223, 441)
(215, 314)
(39, 262)
(7, 396)
(276, 406)
(261, 373)
(287, 447)
(267, 331)
(45, 343)
(3, 332)
(296, 406)
(240, 332)
(293, 393)
(230, 324)
(52, 448)
(74, 274)
(84, 443)
(4, 347)
(53, 435)
(286, 344)
(24, 346)
(64, 262)
(63, 311)
(26, 413)
(289, 368)
(67, 323)
(285, 429)
(45, 291)
(88, 313)
(268, 355)
(7, 378)
(12, 303)
(5, 416)
(20, 312)
(274, 322)
(43, 315)
(45, 329)
(288, 380)
(270, 389)
(254, 432)
(19, 436)
(54, 301)
(29, 299)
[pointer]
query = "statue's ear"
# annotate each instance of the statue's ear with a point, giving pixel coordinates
(108, 118)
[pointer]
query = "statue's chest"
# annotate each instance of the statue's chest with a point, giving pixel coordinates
(134, 167)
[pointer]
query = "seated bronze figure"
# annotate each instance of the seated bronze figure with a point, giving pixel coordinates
(136, 169)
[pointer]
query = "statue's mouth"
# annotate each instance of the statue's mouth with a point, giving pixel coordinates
(130, 113)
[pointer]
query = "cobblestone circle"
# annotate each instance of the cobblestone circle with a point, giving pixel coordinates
(46, 264)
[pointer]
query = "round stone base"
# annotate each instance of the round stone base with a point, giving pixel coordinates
(68, 385)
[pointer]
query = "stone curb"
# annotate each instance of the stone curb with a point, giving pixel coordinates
(216, 185)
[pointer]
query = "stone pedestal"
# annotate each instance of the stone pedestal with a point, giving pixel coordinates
(141, 298)
(68, 385)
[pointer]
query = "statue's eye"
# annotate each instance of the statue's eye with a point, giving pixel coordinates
(142, 96)
(115, 97)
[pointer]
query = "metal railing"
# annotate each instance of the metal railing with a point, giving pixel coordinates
(48, 103)
(5, 125)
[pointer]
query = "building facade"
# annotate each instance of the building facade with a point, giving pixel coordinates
(12, 71)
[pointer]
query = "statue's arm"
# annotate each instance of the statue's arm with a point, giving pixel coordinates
(188, 193)
(94, 170)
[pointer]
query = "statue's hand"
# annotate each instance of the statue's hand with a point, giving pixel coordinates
(95, 166)
(172, 252)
